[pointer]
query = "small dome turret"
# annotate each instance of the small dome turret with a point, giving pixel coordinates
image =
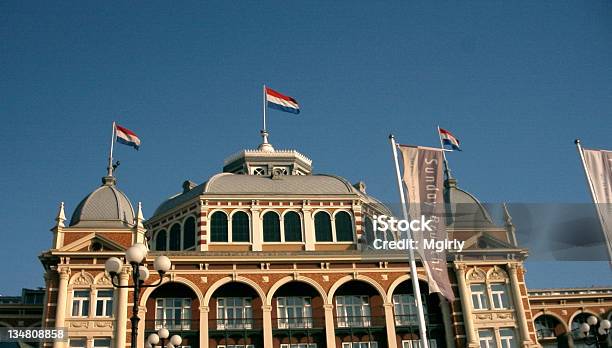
(106, 206)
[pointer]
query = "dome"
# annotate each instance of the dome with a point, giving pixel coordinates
(106, 206)
(467, 211)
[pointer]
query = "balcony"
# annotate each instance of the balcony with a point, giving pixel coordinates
(174, 325)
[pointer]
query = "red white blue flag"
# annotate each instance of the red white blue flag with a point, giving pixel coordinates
(281, 102)
(127, 137)
(449, 139)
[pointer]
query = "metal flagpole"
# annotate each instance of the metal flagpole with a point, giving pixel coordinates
(413, 270)
(446, 167)
(264, 108)
(593, 197)
(110, 155)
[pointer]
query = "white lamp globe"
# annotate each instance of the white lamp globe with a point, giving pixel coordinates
(601, 331)
(605, 324)
(153, 339)
(176, 340)
(143, 273)
(163, 333)
(136, 253)
(148, 345)
(584, 328)
(162, 264)
(113, 265)
(592, 320)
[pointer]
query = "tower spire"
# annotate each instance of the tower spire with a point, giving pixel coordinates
(61, 216)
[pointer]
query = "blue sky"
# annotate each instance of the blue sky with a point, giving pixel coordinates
(516, 81)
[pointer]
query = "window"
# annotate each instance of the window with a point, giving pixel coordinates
(298, 345)
(545, 326)
(499, 296)
(240, 227)
(271, 227)
(360, 344)
(259, 171)
(353, 311)
(77, 343)
(344, 227)
(104, 303)
(417, 343)
(486, 338)
(479, 296)
(80, 303)
(405, 310)
(173, 313)
(189, 233)
(160, 240)
(218, 227)
(175, 237)
(293, 227)
(234, 313)
(576, 322)
(323, 231)
(507, 337)
(102, 343)
(294, 312)
(235, 346)
(369, 231)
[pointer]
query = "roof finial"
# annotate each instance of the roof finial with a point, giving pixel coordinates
(507, 216)
(61, 216)
(265, 145)
(139, 216)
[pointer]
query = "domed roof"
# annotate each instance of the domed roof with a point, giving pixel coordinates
(106, 206)
(466, 210)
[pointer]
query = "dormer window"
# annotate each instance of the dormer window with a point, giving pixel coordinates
(281, 171)
(259, 171)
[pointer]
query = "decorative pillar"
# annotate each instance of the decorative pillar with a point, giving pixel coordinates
(204, 326)
(466, 307)
(256, 228)
(390, 325)
(267, 325)
(142, 314)
(518, 302)
(203, 228)
(309, 231)
(60, 309)
(447, 321)
(121, 309)
(89, 342)
(330, 330)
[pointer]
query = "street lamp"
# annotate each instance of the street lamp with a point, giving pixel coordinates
(135, 255)
(161, 336)
(594, 335)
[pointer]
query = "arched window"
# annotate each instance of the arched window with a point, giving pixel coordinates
(577, 322)
(545, 326)
(160, 240)
(293, 227)
(175, 237)
(218, 227)
(369, 231)
(323, 230)
(189, 233)
(271, 227)
(240, 227)
(344, 227)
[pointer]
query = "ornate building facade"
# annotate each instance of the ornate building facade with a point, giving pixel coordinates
(268, 254)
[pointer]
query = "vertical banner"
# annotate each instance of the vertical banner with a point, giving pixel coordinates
(598, 167)
(424, 180)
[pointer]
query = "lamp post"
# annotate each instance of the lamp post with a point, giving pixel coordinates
(161, 336)
(136, 255)
(595, 334)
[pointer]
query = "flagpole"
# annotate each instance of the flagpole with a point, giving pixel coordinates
(110, 155)
(264, 108)
(594, 198)
(413, 270)
(447, 170)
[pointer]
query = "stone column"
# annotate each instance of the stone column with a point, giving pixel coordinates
(121, 310)
(89, 342)
(330, 330)
(518, 302)
(61, 308)
(204, 326)
(466, 307)
(267, 325)
(448, 321)
(142, 314)
(256, 229)
(390, 325)
(309, 231)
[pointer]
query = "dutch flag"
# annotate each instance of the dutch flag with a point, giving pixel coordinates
(281, 102)
(127, 137)
(448, 139)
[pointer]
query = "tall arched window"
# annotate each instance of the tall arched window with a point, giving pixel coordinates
(293, 227)
(344, 227)
(175, 237)
(218, 227)
(323, 230)
(369, 231)
(160, 240)
(189, 233)
(240, 227)
(271, 227)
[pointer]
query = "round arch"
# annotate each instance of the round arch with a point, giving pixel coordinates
(580, 311)
(290, 279)
(348, 278)
(148, 291)
(397, 282)
(219, 283)
(554, 315)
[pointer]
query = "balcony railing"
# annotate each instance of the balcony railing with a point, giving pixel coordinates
(359, 321)
(173, 324)
(297, 323)
(413, 320)
(236, 324)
